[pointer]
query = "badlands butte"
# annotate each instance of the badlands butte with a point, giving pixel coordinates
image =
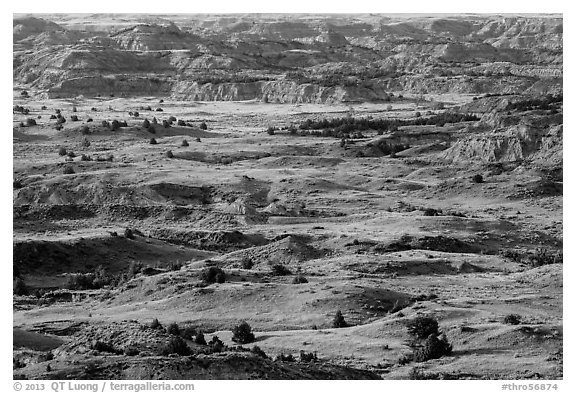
(340, 183)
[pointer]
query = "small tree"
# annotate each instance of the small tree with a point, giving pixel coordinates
(185, 143)
(242, 333)
(200, 340)
(129, 233)
(176, 345)
(62, 151)
(259, 352)
(422, 327)
(203, 126)
(433, 348)
(146, 123)
(153, 141)
(169, 154)
(155, 324)
(339, 321)
(299, 279)
(173, 329)
(19, 287)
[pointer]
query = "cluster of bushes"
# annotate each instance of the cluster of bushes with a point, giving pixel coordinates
(545, 103)
(539, 257)
(21, 109)
(349, 124)
(340, 77)
(202, 79)
(96, 280)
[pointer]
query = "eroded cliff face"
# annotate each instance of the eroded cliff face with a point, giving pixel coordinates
(275, 92)
(542, 145)
(278, 59)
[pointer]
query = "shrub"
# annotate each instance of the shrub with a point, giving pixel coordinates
(242, 333)
(19, 287)
(247, 263)
(165, 124)
(185, 143)
(203, 126)
(30, 122)
(44, 107)
(200, 340)
(421, 327)
(176, 345)
(152, 130)
(105, 124)
(434, 348)
(173, 329)
(169, 154)
(259, 352)
(58, 127)
(128, 233)
(68, 170)
(477, 178)
(146, 123)
(213, 274)
(85, 142)
(171, 119)
(188, 332)
(198, 139)
(307, 357)
(61, 120)
(339, 321)
(71, 154)
(131, 351)
(271, 130)
(85, 157)
(153, 141)
(74, 109)
(299, 279)
(285, 358)
(136, 114)
(159, 110)
(62, 151)
(155, 324)
(512, 319)
(216, 345)
(74, 118)
(102, 346)
(431, 212)
(181, 123)
(89, 120)
(115, 125)
(52, 117)
(85, 131)
(280, 270)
